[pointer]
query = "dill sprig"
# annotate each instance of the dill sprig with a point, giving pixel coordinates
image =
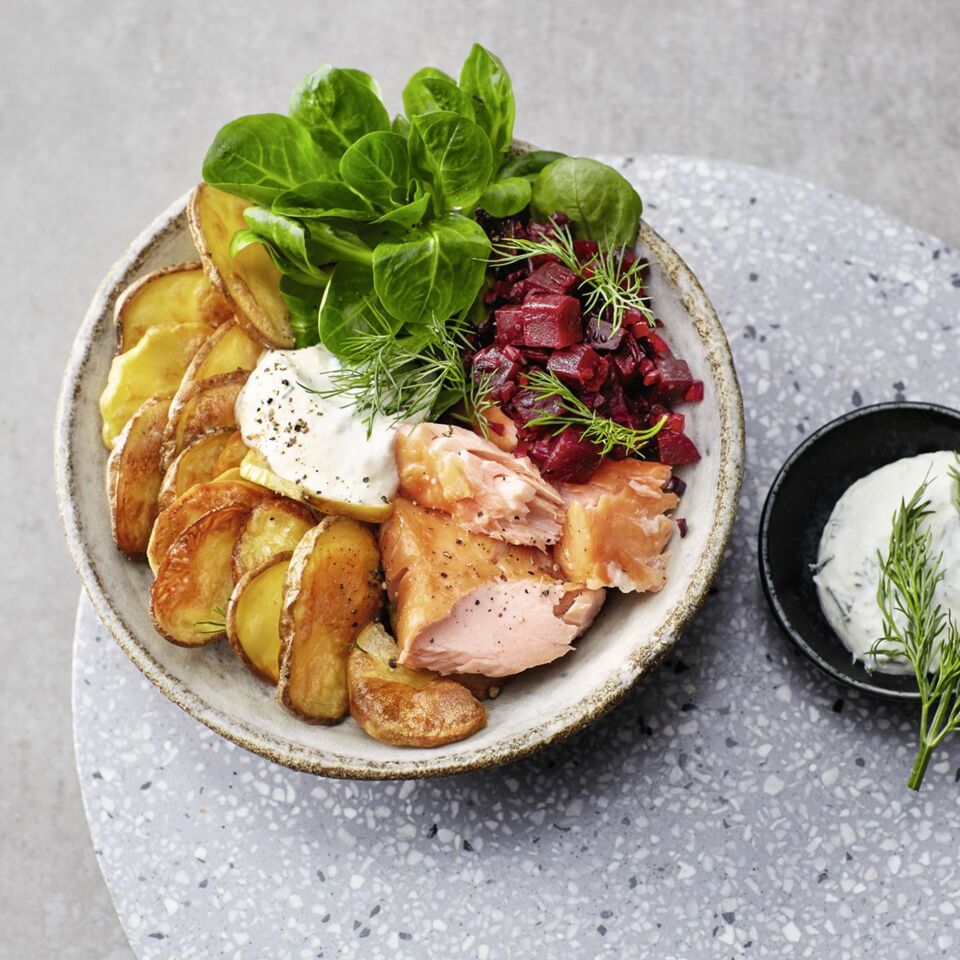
(603, 432)
(409, 376)
(917, 628)
(214, 626)
(610, 288)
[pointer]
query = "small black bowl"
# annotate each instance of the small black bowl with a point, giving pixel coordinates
(799, 504)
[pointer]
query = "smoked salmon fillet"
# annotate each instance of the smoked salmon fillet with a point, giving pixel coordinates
(617, 527)
(484, 488)
(462, 602)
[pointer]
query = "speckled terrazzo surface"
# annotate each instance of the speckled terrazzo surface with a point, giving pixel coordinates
(736, 804)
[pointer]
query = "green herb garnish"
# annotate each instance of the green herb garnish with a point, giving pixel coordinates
(605, 433)
(917, 628)
(214, 626)
(610, 289)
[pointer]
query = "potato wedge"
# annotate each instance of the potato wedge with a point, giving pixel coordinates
(134, 477)
(402, 707)
(253, 617)
(273, 527)
(196, 463)
(176, 294)
(189, 597)
(206, 407)
(250, 280)
(255, 469)
(226, 491)
(232, 455)
(153, 368)
(332, 592)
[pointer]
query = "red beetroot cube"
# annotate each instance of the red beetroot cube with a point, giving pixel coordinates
(675, 378)
(600, 334)
(552, 277)
(637, 323)
(585, 249)
(525, 405)
(571, 459)
(628, 359)
(551, 320)
(695, 393)
(503, 372)
(509, 323)
(581, 365)
(676, 448)
(657, 345)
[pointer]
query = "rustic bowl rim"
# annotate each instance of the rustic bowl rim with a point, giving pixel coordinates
(568, 720)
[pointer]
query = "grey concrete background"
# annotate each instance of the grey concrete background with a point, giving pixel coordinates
(106, 108)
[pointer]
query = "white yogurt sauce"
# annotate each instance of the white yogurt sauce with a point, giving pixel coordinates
(319, 443)
(860, 526)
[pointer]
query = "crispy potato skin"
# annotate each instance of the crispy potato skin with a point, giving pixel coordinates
(253, 617)
(195, 579)
(195, 464)
(198, 500)
(332, 591)
(402, 707)
(274, 527)
(179, 293)
(250, 281)
(134, 477)
(206, 406)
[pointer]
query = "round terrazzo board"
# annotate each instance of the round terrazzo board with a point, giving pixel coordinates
(738, 803)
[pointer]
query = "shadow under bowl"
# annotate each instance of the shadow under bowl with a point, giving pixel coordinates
(799, 505)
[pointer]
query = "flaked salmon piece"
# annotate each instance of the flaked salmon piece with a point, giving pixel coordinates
(617, 527)
(485, 489)
(463, 602)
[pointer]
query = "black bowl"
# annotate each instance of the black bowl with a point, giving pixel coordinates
(799, 504)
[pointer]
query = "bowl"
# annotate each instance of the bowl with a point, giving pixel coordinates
(799, 505)
(627, 641)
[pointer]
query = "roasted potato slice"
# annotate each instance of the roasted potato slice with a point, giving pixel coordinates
(255, 469)
(197, 463)
(332, 592)
(253, 617)
(134, 477)
(176, 294)
(208, 406)
(153, 368)
(228, 490)
(273, 527)
(232, 455)
(402, 707)
(227, 349)
(250, 280)
(189, 597)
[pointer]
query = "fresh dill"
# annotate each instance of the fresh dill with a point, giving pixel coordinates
(214, 626)
(609, 287)
(411, 375)
(603, 432)
(917, 628)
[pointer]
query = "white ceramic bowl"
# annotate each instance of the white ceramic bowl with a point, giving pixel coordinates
(627, 641)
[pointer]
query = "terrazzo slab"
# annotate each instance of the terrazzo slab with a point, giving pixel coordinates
(738, 803)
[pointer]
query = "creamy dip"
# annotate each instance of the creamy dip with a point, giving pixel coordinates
(319, 443)
(847, 568)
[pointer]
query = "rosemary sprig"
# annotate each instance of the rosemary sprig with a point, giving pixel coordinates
(214, 626)
(609, 287)
(408, 376)
(605, 433)
(916, 627)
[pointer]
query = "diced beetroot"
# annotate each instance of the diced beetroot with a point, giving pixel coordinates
(600, 334)
(675, 379)
(570, 458)
(612, 402)
(502, 369)
(509, 322)
(637, 323)
(551, 320)
(676, 448)
(541, 448)
(657, 344)
(585, 249)
(649, 372)
(536, 355)
(682, 527)
(628, 359)
(695, 393)
(525, 405)
(581, 365)
(675, 485)
(552, 277)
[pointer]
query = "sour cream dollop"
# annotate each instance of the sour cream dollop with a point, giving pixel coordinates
(860, 526)
(319, 443)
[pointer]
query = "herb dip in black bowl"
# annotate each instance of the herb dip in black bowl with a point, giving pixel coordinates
(799, 505)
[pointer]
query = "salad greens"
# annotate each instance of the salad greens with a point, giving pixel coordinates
(916, 627)
(371, 221)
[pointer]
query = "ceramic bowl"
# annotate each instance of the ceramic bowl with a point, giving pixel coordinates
(627, 641)
(799, 505)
